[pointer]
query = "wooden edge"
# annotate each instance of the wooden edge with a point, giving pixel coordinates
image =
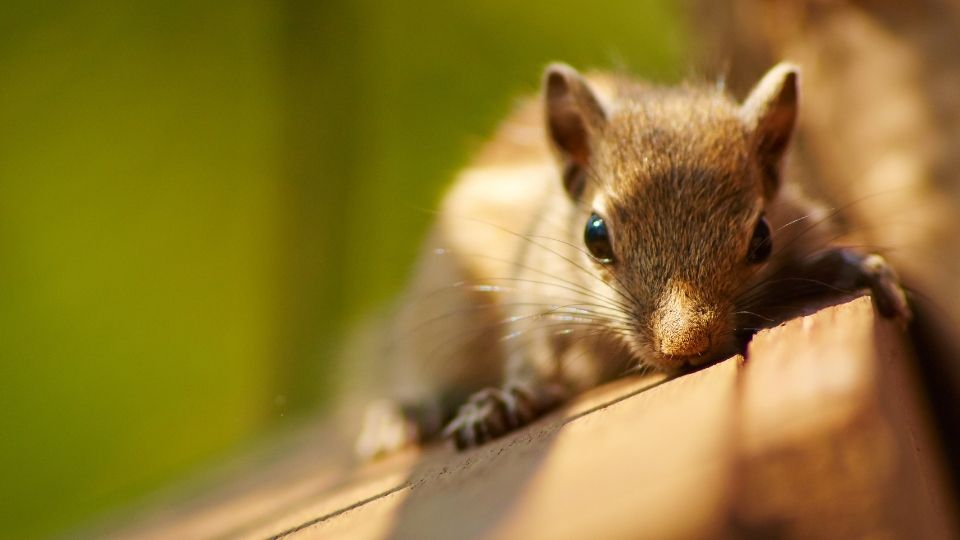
(819, 432)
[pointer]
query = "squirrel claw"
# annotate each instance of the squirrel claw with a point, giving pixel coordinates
(888, 295)
(488, 414)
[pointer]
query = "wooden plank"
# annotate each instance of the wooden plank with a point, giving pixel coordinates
(818, 433)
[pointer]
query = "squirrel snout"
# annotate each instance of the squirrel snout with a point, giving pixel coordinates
(691, 342)
(683, 327)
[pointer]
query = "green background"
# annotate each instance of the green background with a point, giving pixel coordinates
(196, 199)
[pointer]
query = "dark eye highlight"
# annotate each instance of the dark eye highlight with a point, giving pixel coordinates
(597, 239)
(761, 244)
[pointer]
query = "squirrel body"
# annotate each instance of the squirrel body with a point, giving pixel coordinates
(608, 226)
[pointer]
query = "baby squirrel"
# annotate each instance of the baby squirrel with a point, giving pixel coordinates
(609, 226)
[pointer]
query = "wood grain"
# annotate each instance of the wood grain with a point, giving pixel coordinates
(819, 433)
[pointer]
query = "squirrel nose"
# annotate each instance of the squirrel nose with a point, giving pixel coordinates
(682, 326)
(689, 341)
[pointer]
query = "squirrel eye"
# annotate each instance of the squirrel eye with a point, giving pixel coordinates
(761, 245)
(597, 239)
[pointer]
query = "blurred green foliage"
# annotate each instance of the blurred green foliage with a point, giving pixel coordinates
(196, 198)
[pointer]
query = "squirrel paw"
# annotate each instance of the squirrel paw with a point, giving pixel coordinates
(888, 295)
(385, 429)
(490, 413)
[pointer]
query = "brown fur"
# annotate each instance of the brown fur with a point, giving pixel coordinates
(507, 296)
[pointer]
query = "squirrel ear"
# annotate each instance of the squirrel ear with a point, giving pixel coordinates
(770, 112)
(573, 115)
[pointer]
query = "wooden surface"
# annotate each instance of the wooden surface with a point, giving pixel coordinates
(819, 433)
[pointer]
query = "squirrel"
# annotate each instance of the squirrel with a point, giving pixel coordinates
(609, 226)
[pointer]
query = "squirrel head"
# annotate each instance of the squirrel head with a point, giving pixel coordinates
(670, 186)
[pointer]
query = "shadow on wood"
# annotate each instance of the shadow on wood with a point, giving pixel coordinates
(820, 432)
